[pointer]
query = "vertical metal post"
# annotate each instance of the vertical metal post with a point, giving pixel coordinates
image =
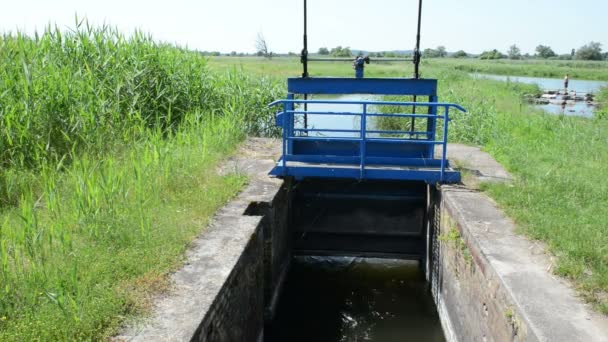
(432, 125)
(304, 56)
(417, 50)
(417, 60)
(288, 126)
(445, 140)
(363, 139)
(285, 119)
(305, 115)
(304, 59)
(413, 122)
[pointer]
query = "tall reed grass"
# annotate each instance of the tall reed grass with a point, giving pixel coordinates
(108, 153)
(93, 90)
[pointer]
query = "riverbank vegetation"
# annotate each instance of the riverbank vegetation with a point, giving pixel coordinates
(584, 70)
(109, 148)
(602, 100)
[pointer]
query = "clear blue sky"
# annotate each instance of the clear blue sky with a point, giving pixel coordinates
(227, 25)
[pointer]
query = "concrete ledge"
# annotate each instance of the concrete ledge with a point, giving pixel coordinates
(495, 285)
(480, 165)
(219, 294)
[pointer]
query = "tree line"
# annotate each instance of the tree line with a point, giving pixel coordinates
(591, 51)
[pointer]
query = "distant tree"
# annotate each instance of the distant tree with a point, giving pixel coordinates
(261, 46)
(292, 54)
(215, 53)
(494, 54)
(572, 53)
(430, 53)
(590, 52)
(514, 52)
(233, 53)
(545, 52)
(441, 51)
(460, 54)
(339, 51)
(323, 51)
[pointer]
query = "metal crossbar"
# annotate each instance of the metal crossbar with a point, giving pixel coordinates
(286, 119)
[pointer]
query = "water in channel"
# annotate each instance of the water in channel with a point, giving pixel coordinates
(350, 299)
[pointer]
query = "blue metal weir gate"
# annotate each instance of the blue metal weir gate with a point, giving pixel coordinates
(365, 153)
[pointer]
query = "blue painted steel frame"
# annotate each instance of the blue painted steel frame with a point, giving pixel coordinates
(364, 157)
(375, 86)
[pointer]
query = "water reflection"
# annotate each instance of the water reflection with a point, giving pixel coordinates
(340, 122)
(580, 86)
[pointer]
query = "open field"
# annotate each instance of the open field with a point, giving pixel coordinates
(559, 195)
(108, 155)
(109, 149)
(535, 68)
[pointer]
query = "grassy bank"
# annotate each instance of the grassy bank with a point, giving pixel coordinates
(587, 70)
(559, 195)
(602, 100)
(108, 158)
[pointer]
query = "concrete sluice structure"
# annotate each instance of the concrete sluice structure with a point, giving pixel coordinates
(487, 283)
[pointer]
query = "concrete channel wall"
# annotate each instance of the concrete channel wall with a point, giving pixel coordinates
(491, 284)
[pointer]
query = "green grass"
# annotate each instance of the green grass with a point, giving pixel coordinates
(289, 66)
(559, 195)
(108, 170)
(560, 192)
(108, 154)
(588, 70)
(602, 100)
(282, 67)
(106, 231)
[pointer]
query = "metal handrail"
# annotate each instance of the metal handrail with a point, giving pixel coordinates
(288, 133)
(373, 103)
(375, 60)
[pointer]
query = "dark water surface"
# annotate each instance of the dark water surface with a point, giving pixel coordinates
(349, 299)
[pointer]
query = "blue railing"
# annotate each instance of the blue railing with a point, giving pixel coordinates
(286, 119)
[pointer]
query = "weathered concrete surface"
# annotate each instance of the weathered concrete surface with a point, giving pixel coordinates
(495, 284)
(481, 166)
(219, 294)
